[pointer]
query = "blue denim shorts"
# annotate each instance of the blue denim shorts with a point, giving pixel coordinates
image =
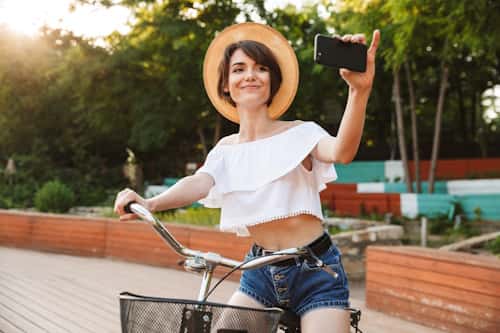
(298, 287)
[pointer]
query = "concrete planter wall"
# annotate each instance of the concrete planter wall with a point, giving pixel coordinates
(451, 291)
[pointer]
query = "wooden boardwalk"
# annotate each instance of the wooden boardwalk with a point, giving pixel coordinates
(42, 292)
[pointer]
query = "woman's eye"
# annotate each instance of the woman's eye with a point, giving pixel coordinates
(263, 68)
(237, 70)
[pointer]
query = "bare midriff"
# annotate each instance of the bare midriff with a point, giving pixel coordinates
(286, 233)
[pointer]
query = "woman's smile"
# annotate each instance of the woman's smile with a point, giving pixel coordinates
(249, 83)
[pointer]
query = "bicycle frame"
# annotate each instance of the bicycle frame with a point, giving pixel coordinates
(206, 262)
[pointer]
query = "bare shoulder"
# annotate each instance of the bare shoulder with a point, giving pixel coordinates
(228, 140)
(291, 123)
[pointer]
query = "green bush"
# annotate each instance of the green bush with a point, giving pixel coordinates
(54, 197)
(439, 224)
(192, 215)
(494, 246)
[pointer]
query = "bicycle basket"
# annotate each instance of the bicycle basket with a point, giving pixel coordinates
(143, 314)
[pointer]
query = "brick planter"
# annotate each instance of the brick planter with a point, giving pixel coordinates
(452, 291)
(138, 242)
(103, 237)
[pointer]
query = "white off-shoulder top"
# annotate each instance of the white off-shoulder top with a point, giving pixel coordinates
(264, 180)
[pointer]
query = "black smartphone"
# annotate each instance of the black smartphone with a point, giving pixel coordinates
(333, 52)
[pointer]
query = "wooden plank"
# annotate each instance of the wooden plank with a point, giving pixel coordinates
(63, 310)
(470, 242)
(428, 299)
(438, 255)
(483, 287)
(458, 295)
(8, 325)
(66, 299)
(429, 264)
(38, 317)
(22, 322)
(428, 315)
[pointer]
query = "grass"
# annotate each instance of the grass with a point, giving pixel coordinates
(192, 215)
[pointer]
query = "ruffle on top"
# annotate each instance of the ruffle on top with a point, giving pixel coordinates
(249, 166)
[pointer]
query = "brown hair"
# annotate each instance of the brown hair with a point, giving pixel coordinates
(259, 53)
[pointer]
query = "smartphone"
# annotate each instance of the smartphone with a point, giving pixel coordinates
(333, 52)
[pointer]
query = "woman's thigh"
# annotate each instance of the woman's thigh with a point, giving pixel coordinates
(231, 319)
(325, 320)
(241, 299)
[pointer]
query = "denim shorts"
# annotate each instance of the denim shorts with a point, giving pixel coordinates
(298, 287)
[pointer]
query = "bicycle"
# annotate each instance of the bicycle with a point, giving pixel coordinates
(145, 314)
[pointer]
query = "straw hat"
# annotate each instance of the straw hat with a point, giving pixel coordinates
(275, 42)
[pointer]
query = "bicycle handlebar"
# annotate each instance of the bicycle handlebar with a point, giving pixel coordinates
(210, 257)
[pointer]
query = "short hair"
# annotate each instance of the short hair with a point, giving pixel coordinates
(259, 53)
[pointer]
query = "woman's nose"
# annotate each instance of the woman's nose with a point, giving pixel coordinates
(250, 75)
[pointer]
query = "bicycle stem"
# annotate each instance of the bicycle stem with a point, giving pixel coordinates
(205, 284)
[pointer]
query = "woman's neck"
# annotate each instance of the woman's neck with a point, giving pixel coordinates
(255, 123)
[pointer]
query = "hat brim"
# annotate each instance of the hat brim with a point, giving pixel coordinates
(281, 49)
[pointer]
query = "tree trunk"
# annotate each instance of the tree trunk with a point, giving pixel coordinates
(437, 125)
(396, 97)
(462, 120)
(218, 125)
(414, 132)
(482, 130)
(203, 141)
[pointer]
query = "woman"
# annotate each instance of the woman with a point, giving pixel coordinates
(267, 177)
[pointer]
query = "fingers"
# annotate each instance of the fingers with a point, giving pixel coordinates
(357, 38)
(126, 217)
(122, 199)
(344, 73)
(375, 41)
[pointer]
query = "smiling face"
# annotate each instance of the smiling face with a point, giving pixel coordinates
(249, 83)
(248, 74)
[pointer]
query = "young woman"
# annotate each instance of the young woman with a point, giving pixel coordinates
(267, 177)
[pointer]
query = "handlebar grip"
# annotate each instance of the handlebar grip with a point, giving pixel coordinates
(127, 207)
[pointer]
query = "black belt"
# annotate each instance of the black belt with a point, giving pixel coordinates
(318, 247)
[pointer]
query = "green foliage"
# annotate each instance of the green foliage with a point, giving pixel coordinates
(55, 197)
(477, 213)
(195, 216)
(440, 224)
(494, 246)
(69, 108)
(334, 229)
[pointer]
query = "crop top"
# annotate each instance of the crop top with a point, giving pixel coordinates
(264, 180)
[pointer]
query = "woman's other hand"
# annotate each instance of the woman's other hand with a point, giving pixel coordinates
(123, 198)
(362, 81)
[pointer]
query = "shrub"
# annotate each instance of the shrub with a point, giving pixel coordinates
(494, 246)
(55, 197)
(439, 224)
(192, 215)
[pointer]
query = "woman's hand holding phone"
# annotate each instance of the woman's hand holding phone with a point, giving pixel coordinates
(356, 64)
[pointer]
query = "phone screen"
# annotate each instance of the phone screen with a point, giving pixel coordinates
(333, 52)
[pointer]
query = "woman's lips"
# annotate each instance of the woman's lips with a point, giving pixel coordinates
(250, 87)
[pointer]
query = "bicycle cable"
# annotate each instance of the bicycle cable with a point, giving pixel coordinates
(229, 273)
